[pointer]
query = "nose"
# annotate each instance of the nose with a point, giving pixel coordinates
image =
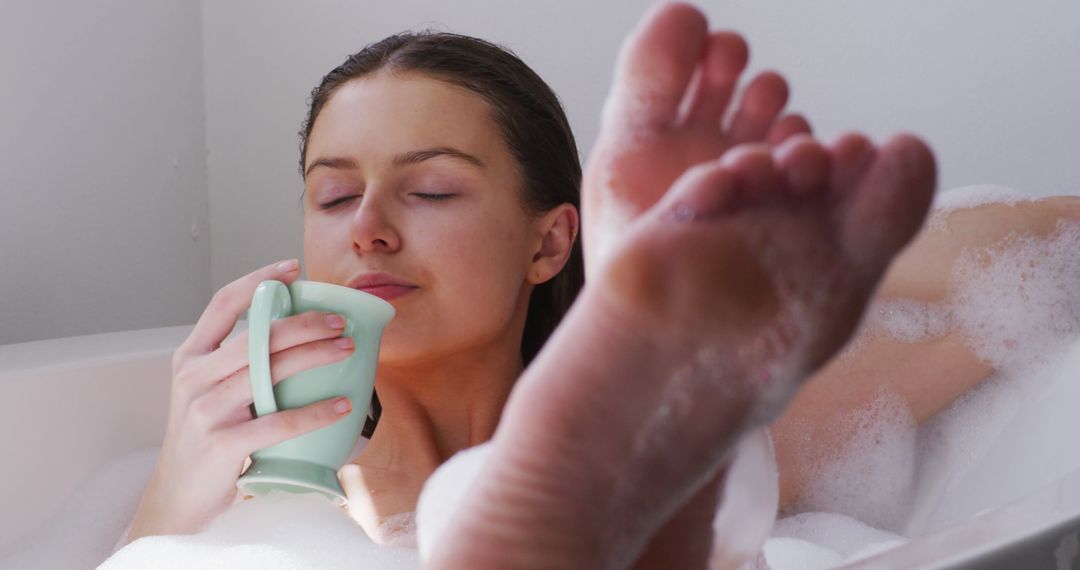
(373, 230)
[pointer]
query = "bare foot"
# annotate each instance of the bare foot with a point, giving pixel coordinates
(710, 308)
(670, 107)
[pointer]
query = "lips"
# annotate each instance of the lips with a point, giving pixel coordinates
(382, 285)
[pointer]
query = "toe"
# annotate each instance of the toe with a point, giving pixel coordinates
(804, 165)
(851, 156)
(704, 191)
(887, 205)
(763, 100)
(655, 66)
(726, 54)
(786, 127)
(755, 171)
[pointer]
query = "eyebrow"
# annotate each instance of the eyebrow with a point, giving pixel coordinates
(404, 159)
(336, 163)
(429, 153)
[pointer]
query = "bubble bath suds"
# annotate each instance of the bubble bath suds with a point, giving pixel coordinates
(971, 197)
(276, 531)
(1017, 307)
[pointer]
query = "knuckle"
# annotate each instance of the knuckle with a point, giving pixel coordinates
(227, 295)
(183, 386)
(178, 358)
(287, 423)
(199, 412)
(182, 376)
(181, 391)
(219, 444)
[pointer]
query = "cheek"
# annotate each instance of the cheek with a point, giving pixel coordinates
(482, 263)
(321, 245)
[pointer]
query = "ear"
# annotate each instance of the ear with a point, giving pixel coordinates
(557, 230)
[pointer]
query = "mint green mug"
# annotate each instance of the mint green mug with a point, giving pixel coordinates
(310, 462)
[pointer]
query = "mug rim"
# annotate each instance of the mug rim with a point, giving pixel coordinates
(363, 296)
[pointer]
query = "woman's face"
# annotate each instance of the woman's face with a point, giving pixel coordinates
(411, 195)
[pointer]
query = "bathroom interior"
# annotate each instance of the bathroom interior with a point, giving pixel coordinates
(151, 159)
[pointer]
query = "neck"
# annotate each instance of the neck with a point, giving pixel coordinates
(432, 410)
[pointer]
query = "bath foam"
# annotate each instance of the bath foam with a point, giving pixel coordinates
(1011, 304)
(85, 531)
(971, 197)
(824, 540)
(399, 531)
(872, 478)
(796, 554)
(977, 454)
(1015, 304)
(906, 320)
(278, 531)
(1016, 307)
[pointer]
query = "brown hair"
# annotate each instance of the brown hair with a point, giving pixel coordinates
(532, 124)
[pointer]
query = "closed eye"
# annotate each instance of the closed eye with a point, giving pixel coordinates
(434, 197)
(333, 203)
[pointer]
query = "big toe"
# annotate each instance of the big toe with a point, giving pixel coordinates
(882, 209)
(655, 66)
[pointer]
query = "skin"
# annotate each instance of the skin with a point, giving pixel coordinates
(455, 229)
(929, 374)
(642, 277)
(450, 356)
(682, 272)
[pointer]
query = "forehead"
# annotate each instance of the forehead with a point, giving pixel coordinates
(387, 113)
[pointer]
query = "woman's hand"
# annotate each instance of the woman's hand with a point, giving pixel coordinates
(211, 431)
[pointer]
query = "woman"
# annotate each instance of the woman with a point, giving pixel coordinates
(440, 174)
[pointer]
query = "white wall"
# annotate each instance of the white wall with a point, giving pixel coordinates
(97, 103)
(103, 199)
(261, 65)
(991, 84)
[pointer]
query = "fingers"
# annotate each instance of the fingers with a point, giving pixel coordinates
(227, 403)
(250, 436)
(220, 316)
(285, 333)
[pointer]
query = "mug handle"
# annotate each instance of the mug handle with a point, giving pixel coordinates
(270, 301)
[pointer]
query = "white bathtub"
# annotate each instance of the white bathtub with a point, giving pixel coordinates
(71, 406)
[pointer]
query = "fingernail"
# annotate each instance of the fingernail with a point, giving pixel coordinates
(342, 406)
(335, 321)
(288, 266)
(344, 342)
